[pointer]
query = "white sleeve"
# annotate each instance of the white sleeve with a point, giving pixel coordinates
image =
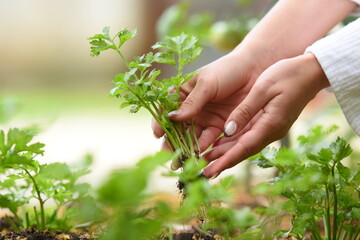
(339, 57)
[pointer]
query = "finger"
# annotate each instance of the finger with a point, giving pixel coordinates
(194, 102)
(157, 130)
(265, 131)
(223, 140)
(257, 98)
(208, 137)
(218, 151)
(231, 157)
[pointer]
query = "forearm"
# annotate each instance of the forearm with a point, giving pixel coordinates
(291, 26)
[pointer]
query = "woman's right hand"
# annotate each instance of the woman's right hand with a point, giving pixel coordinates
(210, 96)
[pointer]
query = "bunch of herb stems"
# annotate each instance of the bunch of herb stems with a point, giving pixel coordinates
(334, 231)
(178, 135)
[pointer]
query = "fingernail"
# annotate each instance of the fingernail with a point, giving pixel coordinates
(174, 113)
(230, 129)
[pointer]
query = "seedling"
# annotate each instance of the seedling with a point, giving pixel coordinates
(141, 86)
(25, 179)
(319, 188)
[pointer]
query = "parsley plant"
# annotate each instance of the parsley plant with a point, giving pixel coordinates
(140, 86)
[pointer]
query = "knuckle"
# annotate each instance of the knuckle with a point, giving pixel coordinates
(244, 113)
(191, 104)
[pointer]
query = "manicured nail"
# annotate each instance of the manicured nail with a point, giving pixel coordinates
(174, 113)
(230, 129)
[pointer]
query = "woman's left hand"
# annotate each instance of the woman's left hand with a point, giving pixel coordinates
(268, 111)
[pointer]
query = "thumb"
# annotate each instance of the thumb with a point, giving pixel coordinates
(193, 103)
(245, 111)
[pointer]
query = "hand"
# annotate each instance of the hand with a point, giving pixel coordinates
(214, 93)
(267, 113)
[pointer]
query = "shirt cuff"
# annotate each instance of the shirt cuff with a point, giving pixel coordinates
(339, 57)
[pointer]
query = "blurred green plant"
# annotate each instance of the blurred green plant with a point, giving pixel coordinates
(223, 34)
(130, 212)
(25, 179)
(176, 20)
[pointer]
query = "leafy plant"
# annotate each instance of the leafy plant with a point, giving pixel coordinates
(125, 206)
(130, 211)
(318, 187)
(140, 86)
(25, 179)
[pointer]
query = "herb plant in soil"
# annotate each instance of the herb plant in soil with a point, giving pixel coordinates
(314, 187)
(37, 196)
(141, 86)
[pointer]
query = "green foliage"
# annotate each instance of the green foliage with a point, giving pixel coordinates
(131, 215)
(317, 185)
(25, 179)
(140, 86)
(176, 20)
(126, 206)
(222, 34)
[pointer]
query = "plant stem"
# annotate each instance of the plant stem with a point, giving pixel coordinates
(27, 219)
(123, 59)
(38, 193)
(13, 225)
(198, 150)
(335, 203)
(327, 224)
(357, 233)
(315, 230)
(36, 216)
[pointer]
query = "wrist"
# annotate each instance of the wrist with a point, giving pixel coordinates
(315, 72)
(257, 55)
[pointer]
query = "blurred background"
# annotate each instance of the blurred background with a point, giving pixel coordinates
(48, 78)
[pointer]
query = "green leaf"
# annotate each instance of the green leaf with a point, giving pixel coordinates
(344, 172)
(341, 149)
(316, 134)
(285, 158)
(55, 171)
(125, 187)
(323, 157)
(97, 46)
(355, 213)
(124, 35)
(150, 163)
(101, 42)
(8, 203)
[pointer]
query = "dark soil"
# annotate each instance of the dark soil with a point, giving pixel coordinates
(191, 236)
(32, 234)
(195, 235)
